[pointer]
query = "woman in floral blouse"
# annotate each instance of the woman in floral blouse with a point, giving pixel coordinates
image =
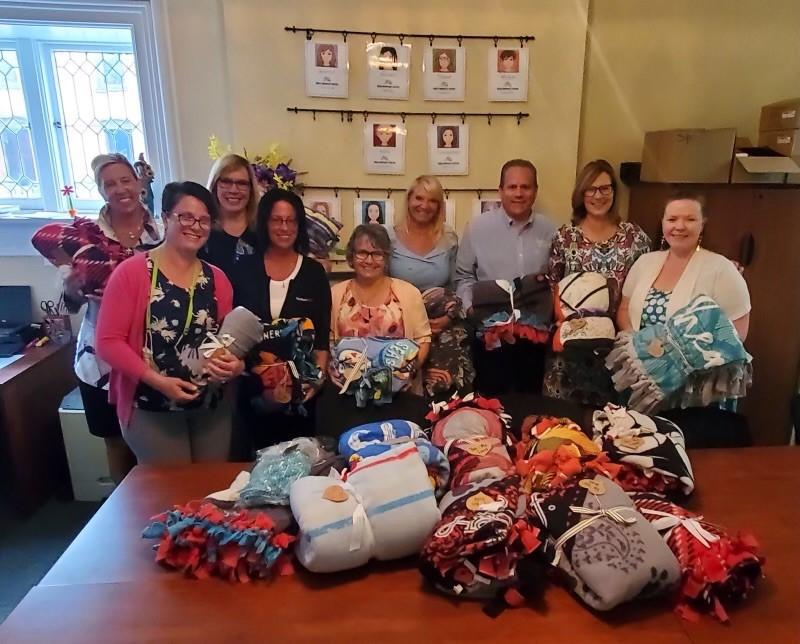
(596, 241)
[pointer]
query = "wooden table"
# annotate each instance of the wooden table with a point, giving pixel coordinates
(106, 587)
(34, 463)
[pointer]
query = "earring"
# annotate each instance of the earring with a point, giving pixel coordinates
(699, 241)
(664, 244)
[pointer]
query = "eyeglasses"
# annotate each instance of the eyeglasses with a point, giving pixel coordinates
(188, 220)
(375, 255)
(241, 184)
(279, 221)
(604, 190)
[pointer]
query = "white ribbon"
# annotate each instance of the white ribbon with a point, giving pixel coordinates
(361, 526)
(669, 522)
(215, 342)
(594, 515)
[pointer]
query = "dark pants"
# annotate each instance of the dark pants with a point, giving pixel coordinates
(101, 415)
(517, 367)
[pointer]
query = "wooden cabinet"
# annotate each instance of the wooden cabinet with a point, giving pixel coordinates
(759, 226)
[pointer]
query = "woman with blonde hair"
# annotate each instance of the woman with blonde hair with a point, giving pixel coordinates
(423, 253)
(235, 190)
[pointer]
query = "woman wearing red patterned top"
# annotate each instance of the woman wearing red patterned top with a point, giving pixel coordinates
(87, 251)
(596, 241)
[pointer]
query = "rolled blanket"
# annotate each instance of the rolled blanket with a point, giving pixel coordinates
(384, 508)
(653, 450)
(372, 439)
(323, 232)
(717, 568)
(281, 363)
(477, 458)
(475, 549)
(467, 417)
(201, 539)
(240, 331)
(372, 369)
(692, 360)
(582, 302)
(609, 553)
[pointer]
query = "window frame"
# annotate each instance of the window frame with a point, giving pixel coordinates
(145, 18)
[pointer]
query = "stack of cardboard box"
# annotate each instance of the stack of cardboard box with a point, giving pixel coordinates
(719, 156)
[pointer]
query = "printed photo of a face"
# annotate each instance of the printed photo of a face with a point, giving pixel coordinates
(322, 207)
(326, 55)
(446, 136)
(372, 212)
(444, 61)
(489, 204)
(383, 136)
(387, 58)
(508, 61)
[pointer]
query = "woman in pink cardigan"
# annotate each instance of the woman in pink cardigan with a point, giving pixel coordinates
(157, 310)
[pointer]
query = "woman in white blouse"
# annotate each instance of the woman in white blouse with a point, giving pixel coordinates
(662, 282)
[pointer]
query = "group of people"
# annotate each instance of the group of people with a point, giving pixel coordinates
(158, 391)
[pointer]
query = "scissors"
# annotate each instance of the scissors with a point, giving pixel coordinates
(49, 308)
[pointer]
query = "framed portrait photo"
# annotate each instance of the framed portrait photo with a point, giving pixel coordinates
(373, 211)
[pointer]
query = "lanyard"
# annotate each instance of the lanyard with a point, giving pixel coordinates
(189, 312)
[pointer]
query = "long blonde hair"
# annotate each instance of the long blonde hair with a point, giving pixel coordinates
(225, 164)
(431, 186)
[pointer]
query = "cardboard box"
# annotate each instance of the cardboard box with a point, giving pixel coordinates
(761, 165)
(783, 115)
(688, 156)
(785, 142)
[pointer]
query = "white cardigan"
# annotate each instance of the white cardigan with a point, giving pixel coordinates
(706, 273)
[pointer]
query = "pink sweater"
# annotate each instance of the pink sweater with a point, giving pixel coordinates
(120, 327)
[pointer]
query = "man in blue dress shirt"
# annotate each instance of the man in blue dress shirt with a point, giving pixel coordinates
(506, 243)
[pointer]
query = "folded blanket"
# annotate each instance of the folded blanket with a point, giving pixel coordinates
(717, 568)
(384, 508)
(470, 416)
(692, 360)
(477, 458)
(372, 439)
(323, 232)
(372, 369)
(608, 552)
(201, 539)
(475, 550)
(440, 301)
(653, 450)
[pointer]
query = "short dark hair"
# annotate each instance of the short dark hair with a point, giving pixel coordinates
(175, 191)
(389, 50)
(265, 207)
(590, 172)
(375, 233)
(687, 195)
(518, 163)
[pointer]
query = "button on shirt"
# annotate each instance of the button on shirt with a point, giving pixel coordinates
(495, 246)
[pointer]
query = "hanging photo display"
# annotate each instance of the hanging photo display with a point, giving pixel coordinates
(326, 69)
(325, 202)
(384, 146)
(450, 213)
(448, 148)
(373, 211)
(388, 66)
(443, 69)
(508, 73)
(485, 203)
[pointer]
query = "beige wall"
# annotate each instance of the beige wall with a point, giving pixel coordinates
(263, 69)
(681, 64)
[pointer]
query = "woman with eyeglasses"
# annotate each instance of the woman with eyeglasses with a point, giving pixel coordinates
(374, 304)
(596, 241)
(235, 191)
(282, 282)
(157, 310)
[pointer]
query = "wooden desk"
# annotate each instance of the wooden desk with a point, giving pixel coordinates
(31, 389)
(106, 587)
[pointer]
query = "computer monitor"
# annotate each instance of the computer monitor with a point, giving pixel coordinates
(15, 306)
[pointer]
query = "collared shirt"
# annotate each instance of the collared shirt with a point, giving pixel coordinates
(435, 268)
(495, 246)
